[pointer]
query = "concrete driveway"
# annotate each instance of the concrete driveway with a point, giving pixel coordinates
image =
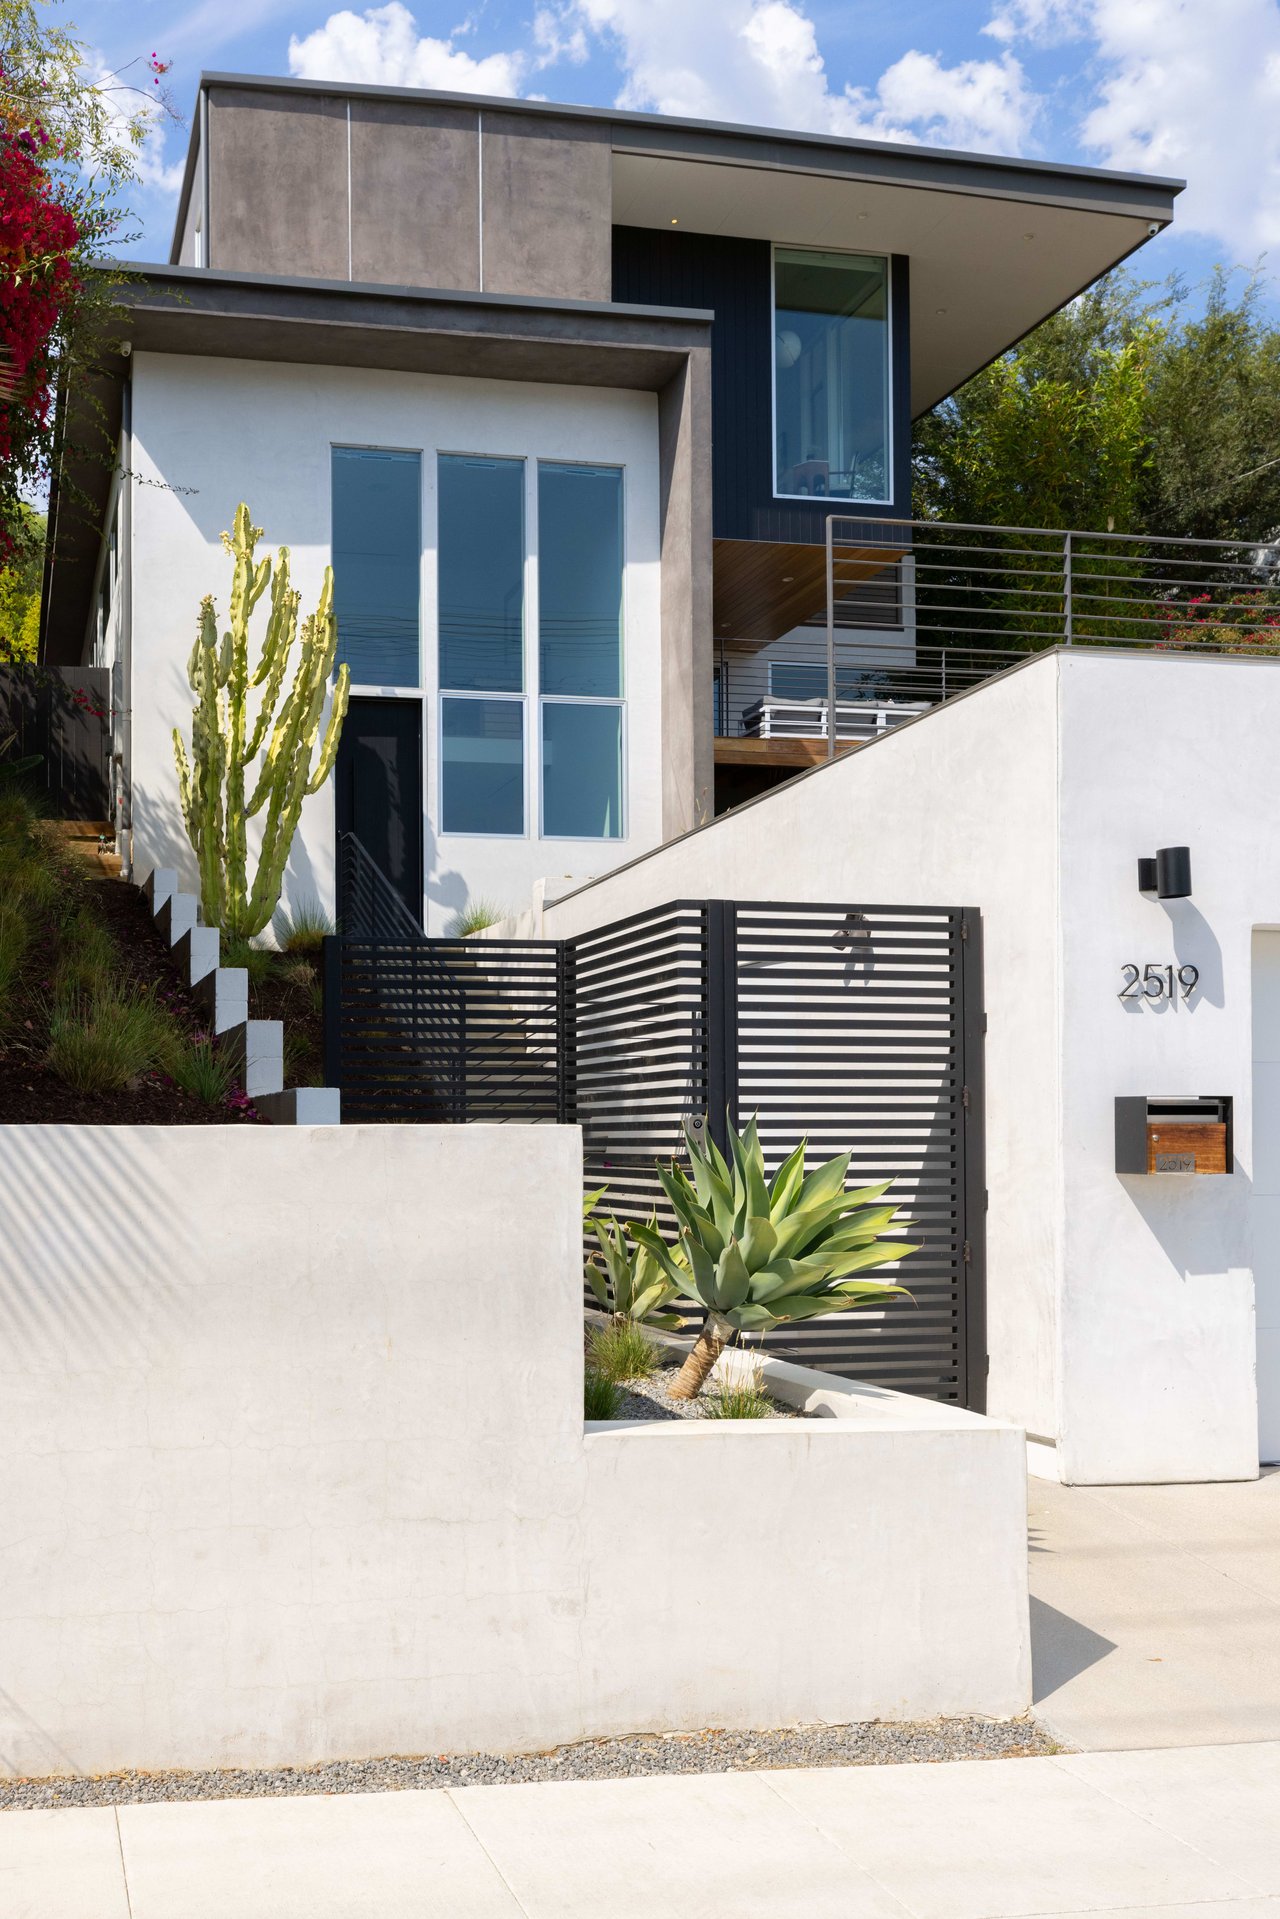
(1155, 1613)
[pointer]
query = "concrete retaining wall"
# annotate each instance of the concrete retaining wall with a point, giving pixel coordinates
(295, 1468)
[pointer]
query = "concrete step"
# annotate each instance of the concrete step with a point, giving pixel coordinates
(257, 1047)
(224, 994)
(160, 882)
(302, 1106)
(196, 952)
(176, 916)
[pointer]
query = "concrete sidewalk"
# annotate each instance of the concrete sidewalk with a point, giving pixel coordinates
(1155, 1612)
(1188, 1834)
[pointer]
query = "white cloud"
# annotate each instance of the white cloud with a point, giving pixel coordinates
(1046, 23)
(758, 61)
(1186, 89)
(383, 47)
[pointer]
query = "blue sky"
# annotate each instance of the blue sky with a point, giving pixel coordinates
(1184, 87)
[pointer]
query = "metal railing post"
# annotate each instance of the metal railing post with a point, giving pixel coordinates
(1067, 610)
(831, 638)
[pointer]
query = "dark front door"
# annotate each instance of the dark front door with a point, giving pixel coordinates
(379, 790)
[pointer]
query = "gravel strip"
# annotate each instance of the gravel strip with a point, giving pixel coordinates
(871, 1744)
(651, 1399)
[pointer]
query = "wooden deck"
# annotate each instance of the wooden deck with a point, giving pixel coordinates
(740, 751)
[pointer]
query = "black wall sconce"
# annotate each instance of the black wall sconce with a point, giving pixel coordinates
(1168, 875)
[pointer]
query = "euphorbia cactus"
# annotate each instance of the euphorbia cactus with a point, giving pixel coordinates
(224, 747)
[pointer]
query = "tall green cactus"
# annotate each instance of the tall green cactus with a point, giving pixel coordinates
(224, 746)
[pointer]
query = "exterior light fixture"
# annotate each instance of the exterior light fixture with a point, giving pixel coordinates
(1168, 875)
(674, 221)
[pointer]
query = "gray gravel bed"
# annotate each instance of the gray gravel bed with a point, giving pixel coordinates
(651, 1399)
(870, 1744)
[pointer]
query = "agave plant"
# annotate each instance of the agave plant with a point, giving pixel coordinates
(632, 1283)
(754, 1254)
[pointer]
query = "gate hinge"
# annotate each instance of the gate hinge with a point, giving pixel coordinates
(966, 1253)
(964, 929)
(964, 1097)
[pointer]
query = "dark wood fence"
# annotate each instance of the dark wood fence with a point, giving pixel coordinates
(63, 714)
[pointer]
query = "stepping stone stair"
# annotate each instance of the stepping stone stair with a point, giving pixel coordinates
(256, 1045)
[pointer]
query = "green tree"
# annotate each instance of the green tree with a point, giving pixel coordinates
(20, 588)
(1122, 412)
(1054, 433)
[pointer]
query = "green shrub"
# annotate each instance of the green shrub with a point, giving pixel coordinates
(631, 1283)
(474, 917)
(98, 1045)
(258, 961)
(88, 964)
(304, 930)
(621, 1351)
(600, 1397)
(739, 1399)
(199, 1069)
(15, 937)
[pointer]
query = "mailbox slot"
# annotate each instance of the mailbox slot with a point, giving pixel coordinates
(1169, 1134)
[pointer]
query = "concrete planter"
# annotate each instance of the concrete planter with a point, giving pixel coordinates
(296, 1469)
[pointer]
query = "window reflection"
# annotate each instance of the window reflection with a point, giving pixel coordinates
(831, 375)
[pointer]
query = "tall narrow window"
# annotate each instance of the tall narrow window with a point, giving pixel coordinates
(377, 559)
(831, 375)
(480, 561)
(580, 562)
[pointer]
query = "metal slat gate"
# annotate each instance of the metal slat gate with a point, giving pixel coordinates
(858, 1026)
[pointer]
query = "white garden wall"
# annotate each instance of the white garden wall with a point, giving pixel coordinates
(295, 1468)
(208, 433)
(1122, 1320)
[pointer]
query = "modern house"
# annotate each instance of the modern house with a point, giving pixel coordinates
(566, 397)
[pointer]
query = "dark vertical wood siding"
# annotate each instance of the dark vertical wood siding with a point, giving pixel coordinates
(655, 266)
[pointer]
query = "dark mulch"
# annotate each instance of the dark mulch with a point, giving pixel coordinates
(32, 1095)
(285, 994)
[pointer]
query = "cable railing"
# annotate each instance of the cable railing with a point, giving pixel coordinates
(918, 610)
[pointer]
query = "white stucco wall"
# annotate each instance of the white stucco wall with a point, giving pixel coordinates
(208, 433)
(295, 1468)
(1121, 1311)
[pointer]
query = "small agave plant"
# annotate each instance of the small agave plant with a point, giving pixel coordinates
(753, 1254)
(631, 1283)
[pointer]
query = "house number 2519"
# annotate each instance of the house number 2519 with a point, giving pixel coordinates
(1158, 982)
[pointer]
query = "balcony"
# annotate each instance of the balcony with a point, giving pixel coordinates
(918, 611)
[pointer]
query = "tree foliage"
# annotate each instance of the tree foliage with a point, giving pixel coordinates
(69, 145)
(1124, 411)
(20, 588)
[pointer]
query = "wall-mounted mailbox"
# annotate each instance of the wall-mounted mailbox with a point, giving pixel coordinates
(1172, 1135)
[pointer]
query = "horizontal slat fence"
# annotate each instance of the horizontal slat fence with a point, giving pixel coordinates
(859, 1027)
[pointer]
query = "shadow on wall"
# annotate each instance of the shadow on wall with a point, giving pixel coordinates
(59, 1288)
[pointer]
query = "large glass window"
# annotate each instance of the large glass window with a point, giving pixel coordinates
(377, 560)
(831, 375)
(482, 766)
(581, 770)
(481, 570)
(580, 580)
(580, 575)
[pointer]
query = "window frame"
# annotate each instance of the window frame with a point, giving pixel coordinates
(446, 832)
(372, 689)
(528, 642)
(587, 839)
(620, 700)
(831, 502)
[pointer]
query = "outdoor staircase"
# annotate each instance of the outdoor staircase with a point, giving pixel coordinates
(257, 1045)
(92, 840)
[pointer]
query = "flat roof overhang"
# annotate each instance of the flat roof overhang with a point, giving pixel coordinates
(995, 245)
(197, 311)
